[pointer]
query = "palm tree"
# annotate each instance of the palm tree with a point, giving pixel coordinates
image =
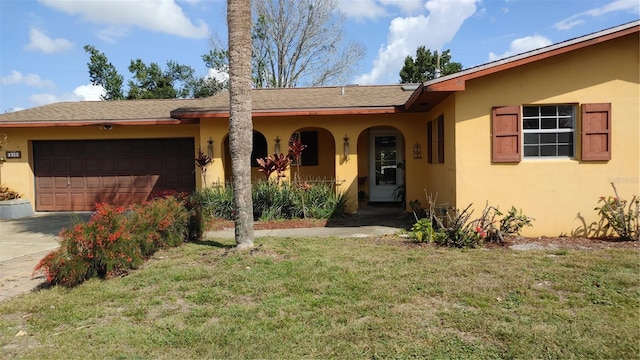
(240, 124)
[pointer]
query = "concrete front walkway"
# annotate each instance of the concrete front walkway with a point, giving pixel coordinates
(23, 242)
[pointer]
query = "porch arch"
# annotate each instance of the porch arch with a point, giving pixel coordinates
(318, 159)
(381, 165)
(260, 150)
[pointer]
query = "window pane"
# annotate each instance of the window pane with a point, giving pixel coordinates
(531, 151)
(565, 138)
(530, 111)
(531, 138)
(548, 110)
(530, 124)
(548, 123)
(547, 138)
(565, 123)
(565, 150)
(565, 110)
(548, 150)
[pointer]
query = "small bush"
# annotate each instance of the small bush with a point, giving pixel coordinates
(114, 241)
(422, 230)
(457, 229)
(274, 200)
(158, 224)
(8, 194)
(621, 216)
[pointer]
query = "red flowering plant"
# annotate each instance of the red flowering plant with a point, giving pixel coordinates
(159, 224)
(102, 247)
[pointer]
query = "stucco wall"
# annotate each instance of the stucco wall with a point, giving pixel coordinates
(559, 193)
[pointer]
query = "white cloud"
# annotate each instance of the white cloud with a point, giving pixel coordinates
(521, 45)
(32, 80)
(39, 41)
(373, 9)
(81, 93)
(109, 34)
(89, 92)
(14, 109)
(632, 6)
(363, 9)
(217, 75)
(155, 15)
(407, 33)
(407, 6)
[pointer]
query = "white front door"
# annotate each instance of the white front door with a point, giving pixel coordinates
(386, 165)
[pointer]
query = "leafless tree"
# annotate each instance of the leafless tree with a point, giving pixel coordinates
(301, 43)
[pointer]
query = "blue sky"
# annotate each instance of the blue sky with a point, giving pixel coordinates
(42, 60)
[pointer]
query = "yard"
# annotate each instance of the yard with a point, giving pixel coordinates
(341, 298)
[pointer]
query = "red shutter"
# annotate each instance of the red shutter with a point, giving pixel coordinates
(596, 132)
(505, 134)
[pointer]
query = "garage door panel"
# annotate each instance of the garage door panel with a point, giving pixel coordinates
(92, 165)
(108, 166)
(76, 183)
(60, 183)
(77, 174)
(61, 199)
(141, 165)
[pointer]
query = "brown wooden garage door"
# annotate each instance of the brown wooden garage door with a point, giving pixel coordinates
(76, 174)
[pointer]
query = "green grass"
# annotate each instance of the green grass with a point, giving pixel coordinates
(340, 298)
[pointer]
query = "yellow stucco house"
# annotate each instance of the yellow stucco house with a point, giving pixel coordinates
(546, 131)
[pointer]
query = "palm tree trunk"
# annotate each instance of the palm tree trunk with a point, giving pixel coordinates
(240, 124)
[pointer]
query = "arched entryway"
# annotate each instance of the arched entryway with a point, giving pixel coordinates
(318, 159)
(381, 165)
(260, 150)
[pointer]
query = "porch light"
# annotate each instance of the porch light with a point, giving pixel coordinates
(277, 146)
(417, 151)
(106, 127)
(346, 147)
(210, 148)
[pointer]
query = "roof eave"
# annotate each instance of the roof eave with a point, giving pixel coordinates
(71, 123)
(456, 82)
(203, 113)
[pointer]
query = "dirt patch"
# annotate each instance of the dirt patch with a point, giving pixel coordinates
(567, 243)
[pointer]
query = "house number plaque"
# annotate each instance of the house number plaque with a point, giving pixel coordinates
(14, 154)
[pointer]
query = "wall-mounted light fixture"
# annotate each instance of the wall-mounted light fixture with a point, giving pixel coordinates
(210, 148)
(106, 127)
(417, 151)
(277, 146)
(346, 147)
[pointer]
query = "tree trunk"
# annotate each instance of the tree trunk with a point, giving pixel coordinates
(240, 124)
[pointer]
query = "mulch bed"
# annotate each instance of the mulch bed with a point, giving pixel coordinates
(513, 242)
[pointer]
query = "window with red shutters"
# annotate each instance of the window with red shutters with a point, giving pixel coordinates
(505, 134)
(596, 132)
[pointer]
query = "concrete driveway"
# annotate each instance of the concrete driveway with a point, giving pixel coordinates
(23, 242)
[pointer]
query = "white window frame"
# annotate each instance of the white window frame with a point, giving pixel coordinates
(556, 130)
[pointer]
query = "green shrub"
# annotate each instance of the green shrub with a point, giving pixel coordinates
(422, 230)
(621, 216)
(216, 201)
(274, 200)
(158, 224)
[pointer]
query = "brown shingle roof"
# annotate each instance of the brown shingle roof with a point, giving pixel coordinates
(287, 99)
(98, 111)
(283, 99)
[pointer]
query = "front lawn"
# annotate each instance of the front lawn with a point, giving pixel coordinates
(340, 298)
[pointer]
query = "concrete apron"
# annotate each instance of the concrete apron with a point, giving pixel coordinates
(23, 243)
